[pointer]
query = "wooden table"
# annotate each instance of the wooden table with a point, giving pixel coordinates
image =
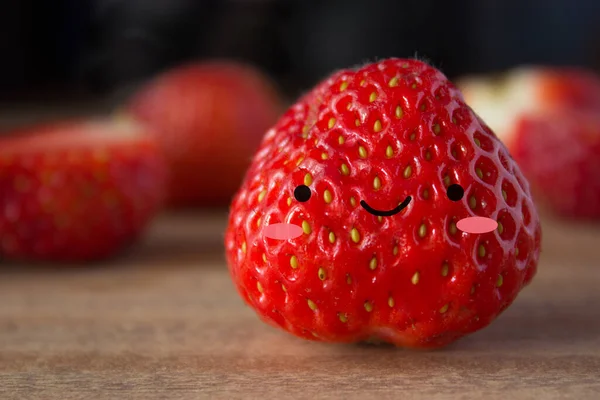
(166, 322)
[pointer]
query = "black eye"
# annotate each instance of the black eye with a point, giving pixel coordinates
(455, 192)
(302, 193)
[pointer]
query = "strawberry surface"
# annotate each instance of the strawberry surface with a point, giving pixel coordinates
(355, 218)
(77, 191)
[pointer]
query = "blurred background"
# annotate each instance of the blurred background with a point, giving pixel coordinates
(79, 57)
(91, 49)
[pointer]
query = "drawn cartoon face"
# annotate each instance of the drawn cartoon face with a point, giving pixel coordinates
(454, 192)
(380, 205)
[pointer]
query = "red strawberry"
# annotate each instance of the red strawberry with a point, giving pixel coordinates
(77, 191)
(560, 153)
(352, 221)
(209, 118)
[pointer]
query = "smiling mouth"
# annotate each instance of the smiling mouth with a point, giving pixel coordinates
(380, 213)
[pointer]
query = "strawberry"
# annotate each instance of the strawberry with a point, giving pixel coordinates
(548, 119)
(560, 153)
(77, 191)
(381, 207)
(209, 118)
(500, 100)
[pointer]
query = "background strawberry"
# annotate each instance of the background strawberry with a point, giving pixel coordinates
(78, 190)
(379, 134)
(548, 119)
(503, 98)
(561, 152)
(209, 118)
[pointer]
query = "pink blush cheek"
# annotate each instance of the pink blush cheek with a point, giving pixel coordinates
(477, 225)
(282, 231)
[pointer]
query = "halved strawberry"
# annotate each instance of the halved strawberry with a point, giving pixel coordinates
(77, 190)
(381, 206)
(504, 98)
(548, 119)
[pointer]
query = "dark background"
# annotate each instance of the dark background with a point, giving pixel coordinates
(91, 48)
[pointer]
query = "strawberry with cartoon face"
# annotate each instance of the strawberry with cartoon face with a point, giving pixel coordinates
(381, 207)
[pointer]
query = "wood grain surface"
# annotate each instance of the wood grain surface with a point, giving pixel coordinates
(164, 322)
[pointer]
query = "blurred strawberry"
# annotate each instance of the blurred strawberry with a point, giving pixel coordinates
(550, 121)
(210, 118)
(560, 153)
(77, 191)
(502, 99)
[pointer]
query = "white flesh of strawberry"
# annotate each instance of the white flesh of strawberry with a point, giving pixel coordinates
(499, 103)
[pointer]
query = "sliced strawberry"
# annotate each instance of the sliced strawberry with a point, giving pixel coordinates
(381, 206)
(77, 190)
(209, 118)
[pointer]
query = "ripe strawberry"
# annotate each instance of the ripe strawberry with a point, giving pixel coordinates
(352, 221)
(209, 118)
(548, 119)
(560, 153)
(77, 191)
